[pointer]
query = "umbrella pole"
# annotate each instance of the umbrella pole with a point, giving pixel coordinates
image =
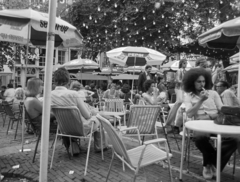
(47, 93)
(133, 77)
(23, 108)
(238, 88)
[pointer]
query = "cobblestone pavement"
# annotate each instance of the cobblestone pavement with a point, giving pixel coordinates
(97, 170)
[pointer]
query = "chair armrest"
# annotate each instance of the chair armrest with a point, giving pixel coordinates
(155, 141)
(129, 128)
(117, 117)
(132, 128)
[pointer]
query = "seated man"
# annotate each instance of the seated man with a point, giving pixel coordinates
(61, 96)
(202, 103)
(227, 94)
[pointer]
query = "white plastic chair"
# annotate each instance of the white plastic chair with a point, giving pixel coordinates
(138, 157)
(70, 125)
(115, 105)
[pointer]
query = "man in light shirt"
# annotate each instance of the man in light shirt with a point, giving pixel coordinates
(228, 96)
(9, 93)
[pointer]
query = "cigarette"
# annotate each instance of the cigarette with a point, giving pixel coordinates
(203, 89)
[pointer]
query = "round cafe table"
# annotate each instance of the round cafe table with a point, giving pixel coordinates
(208, 126)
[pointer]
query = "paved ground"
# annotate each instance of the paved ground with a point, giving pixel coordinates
(97, 169)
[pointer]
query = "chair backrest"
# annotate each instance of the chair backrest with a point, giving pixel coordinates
(141, 102)
(36, 126)
(143, 117)
(114, 138)
(8, 109)
(69, 120)
(114, 105)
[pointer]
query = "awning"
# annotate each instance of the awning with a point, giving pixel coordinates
(86, 76)
(232, 68)
(234, 59)
(125, 77)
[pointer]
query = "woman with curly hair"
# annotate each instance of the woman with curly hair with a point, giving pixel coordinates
(202, 103)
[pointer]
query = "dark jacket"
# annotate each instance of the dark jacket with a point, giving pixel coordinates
(141, 79)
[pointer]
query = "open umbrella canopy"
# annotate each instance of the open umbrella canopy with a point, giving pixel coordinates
(80, 64)
(108, 71)
(225, 35)
(232, 68)
(174, 65)
(21, 25)
(138, 69)
(125, 77)
(135, 56)
(234, 58)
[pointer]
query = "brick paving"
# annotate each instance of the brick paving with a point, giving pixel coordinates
(97, 169)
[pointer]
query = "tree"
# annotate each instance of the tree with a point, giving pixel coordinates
(114, 23)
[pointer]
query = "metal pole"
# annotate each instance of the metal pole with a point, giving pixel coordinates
(47, 92)
(238, 88)
(133, 76)
(23, 109)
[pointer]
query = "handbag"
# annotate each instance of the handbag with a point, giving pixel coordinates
(228, 116)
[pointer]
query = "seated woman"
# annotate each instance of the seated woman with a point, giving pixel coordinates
(111, 93)
(202, 103)
(151, 96)
(19, 93)
(32, 104)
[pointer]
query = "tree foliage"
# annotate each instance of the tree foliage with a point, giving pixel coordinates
(106, 24)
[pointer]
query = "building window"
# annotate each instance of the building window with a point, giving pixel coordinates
(61, 57)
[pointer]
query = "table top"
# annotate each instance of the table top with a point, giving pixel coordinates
(208, 126)
(111, 113)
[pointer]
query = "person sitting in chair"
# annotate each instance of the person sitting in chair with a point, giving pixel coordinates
(202, 103)
(62, 96)
(151, 96)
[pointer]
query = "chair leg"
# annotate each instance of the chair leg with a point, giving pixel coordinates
(188, 151)
(143, 140)
(175, 138)
(234, 162)
(4, 119)
(9, 125)
(71, 146)
(110, 167)
(36, 147)
(89, 146)
(169, 164)
(123, 165)
(54, 147)
(16, 129)
(166, 136)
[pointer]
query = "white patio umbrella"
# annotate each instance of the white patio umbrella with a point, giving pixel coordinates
(135, 56)
(175, 66)
(234, 59)
(139, 69)
(81, 64)
(27, 25)
(223, 36)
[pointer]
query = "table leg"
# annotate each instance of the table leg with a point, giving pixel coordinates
(219, 146)
(182, 153)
